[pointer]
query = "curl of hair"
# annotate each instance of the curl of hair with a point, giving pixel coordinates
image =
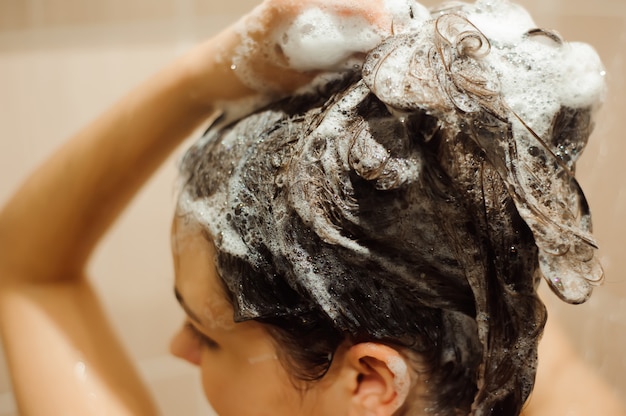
(364, 226)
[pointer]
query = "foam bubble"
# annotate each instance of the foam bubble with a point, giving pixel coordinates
(407, 15)
(401, 379)
(319, 39)
(501, 21)
(538, 73)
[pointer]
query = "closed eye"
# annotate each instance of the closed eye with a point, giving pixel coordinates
(201, 337)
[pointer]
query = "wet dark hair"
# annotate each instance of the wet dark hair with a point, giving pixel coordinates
(337, 216)
(436, 246)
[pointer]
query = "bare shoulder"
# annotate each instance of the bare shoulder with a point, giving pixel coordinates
(566, 385)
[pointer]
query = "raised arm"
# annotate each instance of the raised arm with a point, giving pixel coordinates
(66, 205)
(63, 356)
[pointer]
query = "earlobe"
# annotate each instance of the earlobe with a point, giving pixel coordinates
(383, 379)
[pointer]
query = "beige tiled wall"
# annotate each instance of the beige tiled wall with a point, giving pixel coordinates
(64, 61)
(17, 15)
(30, 14)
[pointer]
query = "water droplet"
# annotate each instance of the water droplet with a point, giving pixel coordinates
(80, 370)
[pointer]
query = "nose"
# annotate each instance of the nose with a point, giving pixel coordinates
(186, 346)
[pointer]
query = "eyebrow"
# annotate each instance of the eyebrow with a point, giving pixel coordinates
(185, 307)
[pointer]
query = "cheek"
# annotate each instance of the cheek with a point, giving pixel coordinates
(225, 386)
(247, 387)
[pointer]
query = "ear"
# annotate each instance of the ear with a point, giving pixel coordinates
(381, 379)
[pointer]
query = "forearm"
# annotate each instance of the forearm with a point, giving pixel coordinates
(63, 355)
(50, 226)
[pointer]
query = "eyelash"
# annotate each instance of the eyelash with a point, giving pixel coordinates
(205, 340)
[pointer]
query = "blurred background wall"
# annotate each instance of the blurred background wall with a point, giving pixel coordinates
(64, 61)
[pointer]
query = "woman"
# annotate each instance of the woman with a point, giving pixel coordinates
(57, 218)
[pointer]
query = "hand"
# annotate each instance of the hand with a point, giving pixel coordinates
(291, 40)
(283, 44)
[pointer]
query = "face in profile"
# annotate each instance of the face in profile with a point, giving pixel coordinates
(240, 370)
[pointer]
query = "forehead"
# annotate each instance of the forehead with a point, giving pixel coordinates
(196, 278)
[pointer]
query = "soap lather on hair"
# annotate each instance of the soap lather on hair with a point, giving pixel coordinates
(417, 198)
